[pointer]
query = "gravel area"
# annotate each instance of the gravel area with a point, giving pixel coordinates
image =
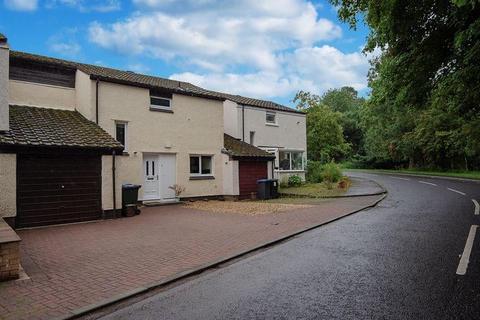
(243, 207)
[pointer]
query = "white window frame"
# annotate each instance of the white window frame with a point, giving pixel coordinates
(291, 151)
(125, 123)
(154, 106)
(275, 123)
(200, 174)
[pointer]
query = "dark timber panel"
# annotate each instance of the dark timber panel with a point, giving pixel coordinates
(53, 189)
(249, 172)
(42, 73)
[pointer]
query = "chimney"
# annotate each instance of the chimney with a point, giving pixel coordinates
(4, 75)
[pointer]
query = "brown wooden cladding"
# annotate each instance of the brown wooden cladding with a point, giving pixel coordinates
(249, 172)
(53, 189)
(42, 73)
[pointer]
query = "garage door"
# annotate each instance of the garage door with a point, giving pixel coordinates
(249, 173)
(57, 189)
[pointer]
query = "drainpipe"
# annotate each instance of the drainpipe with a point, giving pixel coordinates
(96, 102)
(113, 185)
(243, 123)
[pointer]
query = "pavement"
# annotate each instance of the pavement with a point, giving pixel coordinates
(75, 268)
(398, 260)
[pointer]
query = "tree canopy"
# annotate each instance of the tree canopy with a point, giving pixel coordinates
(424, 108)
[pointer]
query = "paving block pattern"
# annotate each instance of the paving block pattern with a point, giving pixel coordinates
(73, 266)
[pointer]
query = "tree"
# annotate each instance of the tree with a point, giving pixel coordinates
(325, 140)
(424, 106)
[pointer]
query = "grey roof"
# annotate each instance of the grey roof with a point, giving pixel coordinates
(132, 78)
(240, 149)
(45, 127)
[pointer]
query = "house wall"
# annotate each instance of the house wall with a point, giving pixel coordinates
(85, 95)
(230, 177)
(8, 185)
(41, 95)
(230, 119)
(194, 127)
(288, 134)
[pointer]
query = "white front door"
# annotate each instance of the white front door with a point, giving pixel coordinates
(159, 171)
(150, 169)
(167, 175)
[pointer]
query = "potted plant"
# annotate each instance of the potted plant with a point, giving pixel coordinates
(178, 190)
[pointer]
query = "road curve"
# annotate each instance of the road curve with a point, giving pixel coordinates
(398, 260)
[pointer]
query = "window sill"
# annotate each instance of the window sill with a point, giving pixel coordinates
(287, 171)
(161, 110)
(202, 178)
(271, 124)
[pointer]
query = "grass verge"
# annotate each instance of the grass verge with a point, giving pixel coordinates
(312, 190)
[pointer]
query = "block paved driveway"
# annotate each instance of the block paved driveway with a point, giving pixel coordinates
(73, 266)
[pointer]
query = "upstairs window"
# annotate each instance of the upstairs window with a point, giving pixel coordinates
(271, 118)
(121, 133)
(160, 100)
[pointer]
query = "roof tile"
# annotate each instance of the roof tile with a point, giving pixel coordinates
(33, 126)
(240, 149)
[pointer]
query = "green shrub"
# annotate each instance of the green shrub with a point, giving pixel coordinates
(314, 171)
(331, 173)
(294, 181)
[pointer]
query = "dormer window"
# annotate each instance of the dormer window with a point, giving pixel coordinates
(160, 101)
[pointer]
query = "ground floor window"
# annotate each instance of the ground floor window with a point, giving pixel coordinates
(200, 165)
(290, 160)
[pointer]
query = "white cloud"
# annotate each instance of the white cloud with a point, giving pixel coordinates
(21, 5)
(65, 43)
(243, 32)
(87, 6)
(265, 49)
(70, 49)
(314, 69)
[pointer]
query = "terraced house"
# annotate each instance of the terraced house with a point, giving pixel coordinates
(71, 134)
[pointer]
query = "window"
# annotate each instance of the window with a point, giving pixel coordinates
(271, 118)
(252, 137)
(291, 160)
(160, 100)
(121, 133)
(201, 165)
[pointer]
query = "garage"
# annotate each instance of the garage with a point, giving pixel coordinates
(54, 189)
(252, 166)
(249, 173)
(57, 158)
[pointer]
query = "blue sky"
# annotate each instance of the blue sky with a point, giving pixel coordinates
(265, 49)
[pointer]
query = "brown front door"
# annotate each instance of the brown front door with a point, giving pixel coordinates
(53, 189)
(249, 172)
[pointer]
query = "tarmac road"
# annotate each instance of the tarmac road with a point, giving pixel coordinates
(398, 260)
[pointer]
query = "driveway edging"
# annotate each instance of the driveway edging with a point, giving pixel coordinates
(191, 272)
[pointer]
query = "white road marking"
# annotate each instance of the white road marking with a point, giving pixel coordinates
(429, 183)
(460, 192)
(400, 178)
(477, 207)
(463, 264)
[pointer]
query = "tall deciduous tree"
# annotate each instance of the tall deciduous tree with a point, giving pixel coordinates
(424, 109)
